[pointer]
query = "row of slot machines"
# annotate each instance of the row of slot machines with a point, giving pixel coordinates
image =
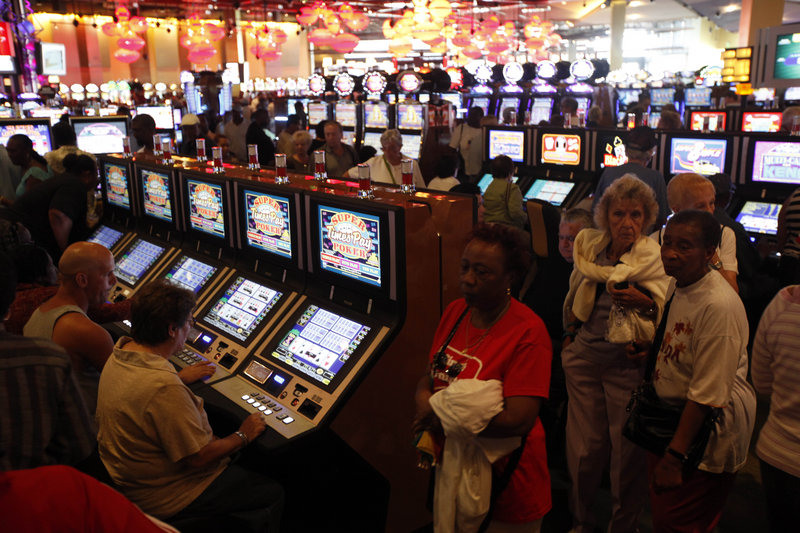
(531, 108)
(553, 163)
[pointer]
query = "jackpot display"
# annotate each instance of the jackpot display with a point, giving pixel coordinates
(156, 194)
(561, 149)
(136, 260)
(507, 142)
(787, 57)
(268, 221)
(117, 189)
(409, 116)
(350, 244)
(39, 134)
(759, 217)
(206, 210)
(551, 191)
(767, 122)
(320, 343)
(701, 156)
(191, 273)
(242, 307)
(375, 115)
(101, 137)
(776, 162)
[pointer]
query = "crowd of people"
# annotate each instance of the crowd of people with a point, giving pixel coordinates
(537, 360)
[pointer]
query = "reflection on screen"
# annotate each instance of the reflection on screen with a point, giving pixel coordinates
(350, 244)
(39, 134)
(268, 223)
(117, 191)
(759, 217)
(101, 137)
(136, 261)
(156, 194)
(505, 142)
(106, 236)
(320, 343)
(317, 112)
(346, 114)
(702, 156)
(190, 273)
(411, 145)
(376, 115)
(551, 191)
(206, 209)
(242, 308)
(409, 116)
(161, 114)
(777, 162)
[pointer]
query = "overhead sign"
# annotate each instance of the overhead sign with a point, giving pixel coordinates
(409, 81)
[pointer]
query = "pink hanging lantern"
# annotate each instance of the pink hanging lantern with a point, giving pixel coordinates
(321, 37)
(307, 16)
(345, 43)
(346, 12)
(472, 51)
(201, 53)
(111, 29)
(462, 39)
(126, 56)
(497, 45)
(358, 22)
(131, 42)
(279, 36)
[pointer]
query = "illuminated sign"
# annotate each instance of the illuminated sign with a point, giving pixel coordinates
(546, 70)
(409, 81)
(701, 156)
(343, 84)
(374, 83)
(614, 153)
(316, 85)
(512, 72)
(582, 69)
(561, 149)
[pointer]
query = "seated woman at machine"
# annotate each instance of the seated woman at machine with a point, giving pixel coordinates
(500, 352)
(503, 199)
(386, 168)
(154, 437)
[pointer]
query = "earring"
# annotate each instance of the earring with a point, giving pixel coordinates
(508, 291)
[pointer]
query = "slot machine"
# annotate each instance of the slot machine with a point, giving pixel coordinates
(708, 121)
(412, 124)
(562, 154)
(376, 120)
(695, 99)
(36, 129)
(626, 99)
(513, 142)
(762, 121)
(660, 97)
(318, 112)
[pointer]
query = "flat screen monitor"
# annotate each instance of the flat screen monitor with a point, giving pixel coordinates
(268, 223)
(103, 135)
(350, 244)
(373, 138)
(176, 118)
(628, 96)
(345, 114)
(764, 94)
(190, 273)
(320, 344)
(661, 97)
(411, 145)
(117, 184)
(486, 179)
(508, 102)
(701, 155)
(410, 116)
(655, 117)
(376, 115)
(317, 112)
(162, 114)
(241, 308)
(792, 94)
(541, 110)
(759, 217)
(54, 115)
(37, 130)
(207, 205)
(106, 236)
(507, 142)
(611, 149)
(551, 191)
(136, 260)
(453, 98)
(776, 162)
(481, 102)
(762, 121)
(787, 57)
(697, 97)
(716, 120)
(158, 198)
(561, 149)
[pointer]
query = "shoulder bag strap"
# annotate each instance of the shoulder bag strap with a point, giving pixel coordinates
(391, 173)
(652, 355)
(441, 353)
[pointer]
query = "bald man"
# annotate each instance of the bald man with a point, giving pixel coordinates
(86, 274)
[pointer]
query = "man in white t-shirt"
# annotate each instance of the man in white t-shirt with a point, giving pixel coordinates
(701, 365)
(693, 191)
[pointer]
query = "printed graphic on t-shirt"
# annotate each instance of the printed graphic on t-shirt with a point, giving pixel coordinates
(675, 343)
(456, 364)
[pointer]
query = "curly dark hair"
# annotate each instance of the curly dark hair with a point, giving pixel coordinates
(157, 306)
(517, 258)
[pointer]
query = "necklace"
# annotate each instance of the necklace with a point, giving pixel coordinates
(476, 344)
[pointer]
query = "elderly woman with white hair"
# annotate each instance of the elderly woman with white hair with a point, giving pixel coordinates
(300, 160)
(616, 296)
(385, 168)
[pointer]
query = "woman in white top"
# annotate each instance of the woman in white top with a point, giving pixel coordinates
(385, 168)
(468, 140)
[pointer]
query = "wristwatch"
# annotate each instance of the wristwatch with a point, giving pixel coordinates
(716, 265)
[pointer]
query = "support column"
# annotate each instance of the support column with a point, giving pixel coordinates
(617, 31)
(758, 14)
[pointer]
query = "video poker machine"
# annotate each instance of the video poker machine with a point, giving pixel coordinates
(564, 155)
(119, 204)
(36, 129)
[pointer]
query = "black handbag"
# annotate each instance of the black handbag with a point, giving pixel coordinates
(652, 423)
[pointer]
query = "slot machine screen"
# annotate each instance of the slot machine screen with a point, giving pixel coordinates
(697, 97)
(161, 114)
(106, 236)
(762, 121)
(776, 162)
(103, 136)
(764, 94)
(411, 145)
(206, 207)
(350, 244)
(699, 155)
(611, 150)
(409, 116)
(54, 115)
(136, 261)
(759, 217)
(117, 185)
(373, 138)
(190, 273)
(37, 130)
(542, 110)
(241, 308)
(661, 97)
(628, 97)
(453, 98)
(317, 112)
(376, 115)
(320, 344)
(792, 93)
(583, 104)
(551, 191)
(509, 103)
(655, 117)
(507, 142)
(486, 179)
(346, 114)
(561, 149)
(483, 103)
(716, 120)
(157, 194)
(787, 51)
(268, 219)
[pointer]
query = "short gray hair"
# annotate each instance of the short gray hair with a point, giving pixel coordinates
(628, 187)
(391, 136)
(302, 136)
